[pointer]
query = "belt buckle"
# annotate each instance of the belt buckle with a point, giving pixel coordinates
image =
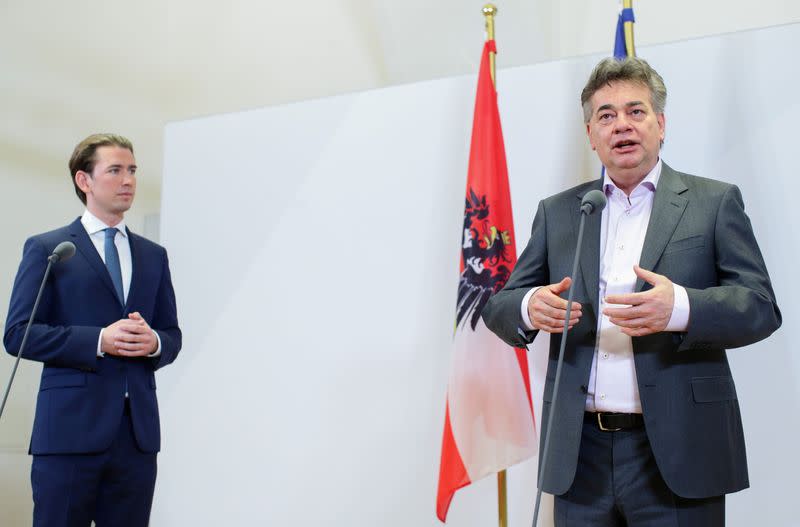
(603, 428)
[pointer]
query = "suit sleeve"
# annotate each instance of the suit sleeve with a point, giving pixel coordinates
(58, 345)
(742, 308)
(165, 319)
(502, 313)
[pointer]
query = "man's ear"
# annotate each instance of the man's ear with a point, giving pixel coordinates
(589, 135)
(82, 180)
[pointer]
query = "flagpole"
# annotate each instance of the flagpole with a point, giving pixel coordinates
(628, 4)
(502, 503)
(489, 12)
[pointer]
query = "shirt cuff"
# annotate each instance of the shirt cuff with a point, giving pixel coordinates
(157, 352)
(679, 321)
(526, 320)
(100, 344)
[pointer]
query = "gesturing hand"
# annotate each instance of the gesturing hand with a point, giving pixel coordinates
(548, 311)
(649, 311)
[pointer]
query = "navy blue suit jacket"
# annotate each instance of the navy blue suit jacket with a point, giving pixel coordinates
(81, 396)
(700, 238)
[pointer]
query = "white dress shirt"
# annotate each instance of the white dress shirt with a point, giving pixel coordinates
(612, 383)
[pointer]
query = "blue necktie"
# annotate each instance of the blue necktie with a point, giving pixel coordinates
(112, 263)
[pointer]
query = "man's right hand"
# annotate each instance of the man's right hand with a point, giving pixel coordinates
(121, 330)
(548, 311)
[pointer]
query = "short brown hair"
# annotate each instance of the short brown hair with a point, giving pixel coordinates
(83, 158)
(629, 69)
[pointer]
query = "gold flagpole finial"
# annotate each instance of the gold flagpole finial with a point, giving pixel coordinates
(490, 11)
(628, 4)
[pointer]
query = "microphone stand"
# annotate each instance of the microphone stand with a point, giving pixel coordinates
(586, 209)
(53, 258)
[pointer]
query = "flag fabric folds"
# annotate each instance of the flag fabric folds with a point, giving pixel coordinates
(620, 48)
(489, 422)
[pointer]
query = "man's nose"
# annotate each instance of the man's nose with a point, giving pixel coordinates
(621, 123)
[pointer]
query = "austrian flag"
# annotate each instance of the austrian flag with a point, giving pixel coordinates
(489, 422)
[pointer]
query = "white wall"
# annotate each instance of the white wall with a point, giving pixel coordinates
(314, 250)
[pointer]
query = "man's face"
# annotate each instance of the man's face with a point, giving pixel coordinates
(112, 184)
(625, 131)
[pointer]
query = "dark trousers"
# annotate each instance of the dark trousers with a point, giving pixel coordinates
(617, 484)
(114, 488)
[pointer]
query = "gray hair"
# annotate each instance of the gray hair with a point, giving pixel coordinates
(629, 69)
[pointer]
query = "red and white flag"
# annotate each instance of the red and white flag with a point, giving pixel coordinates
(489, 422)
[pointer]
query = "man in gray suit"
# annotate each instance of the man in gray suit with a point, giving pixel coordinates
(647, 430)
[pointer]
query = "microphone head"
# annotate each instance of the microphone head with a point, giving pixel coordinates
(63, 251)
(593, 201)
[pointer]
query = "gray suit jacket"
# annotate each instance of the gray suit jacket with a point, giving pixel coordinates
(700, 238)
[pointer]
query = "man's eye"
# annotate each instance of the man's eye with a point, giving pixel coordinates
(605, 116)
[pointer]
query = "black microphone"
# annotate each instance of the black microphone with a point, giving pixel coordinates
(63, 251)
(593, 201)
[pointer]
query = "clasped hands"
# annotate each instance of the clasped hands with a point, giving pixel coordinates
(647, 312)
(129, 337)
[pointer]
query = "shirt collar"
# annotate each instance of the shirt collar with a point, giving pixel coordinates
(93, 224)
(650, 181)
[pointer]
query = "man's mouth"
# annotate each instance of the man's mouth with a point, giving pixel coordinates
(625, 146)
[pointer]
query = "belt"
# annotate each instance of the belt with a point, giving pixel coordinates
(613, 422)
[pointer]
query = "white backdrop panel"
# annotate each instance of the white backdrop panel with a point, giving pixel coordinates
(314, 250)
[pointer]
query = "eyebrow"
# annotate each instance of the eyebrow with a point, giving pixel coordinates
(627, 105)
(119, 165)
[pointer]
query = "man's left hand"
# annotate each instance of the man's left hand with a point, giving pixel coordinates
(139, 340)
(649, 311)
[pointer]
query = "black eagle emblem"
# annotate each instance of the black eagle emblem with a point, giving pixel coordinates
(484, 252)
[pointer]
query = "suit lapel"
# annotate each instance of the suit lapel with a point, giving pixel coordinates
(668, 208)
(85, 246)
(590, 255)
(136, 268)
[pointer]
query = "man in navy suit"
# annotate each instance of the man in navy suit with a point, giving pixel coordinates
(647, 430)
(107, 320)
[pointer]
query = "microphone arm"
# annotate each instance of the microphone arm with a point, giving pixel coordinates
(63, 251)
(592, 202)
